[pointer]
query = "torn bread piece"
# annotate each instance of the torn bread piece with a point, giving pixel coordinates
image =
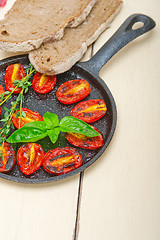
(29, 23)
(59, 56)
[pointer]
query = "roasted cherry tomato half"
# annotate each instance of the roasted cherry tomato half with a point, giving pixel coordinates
(29, 157)
(61, 160)
(30, 117)
(43, 83)
(14, 72)
(1, 89)
(73, 91)
(85, 142)
(8, 157)
(89, 111)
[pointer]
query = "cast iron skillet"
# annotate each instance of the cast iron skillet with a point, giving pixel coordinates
(89, 71)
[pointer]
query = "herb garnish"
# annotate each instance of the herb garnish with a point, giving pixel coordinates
(23, 83)
(34, 131)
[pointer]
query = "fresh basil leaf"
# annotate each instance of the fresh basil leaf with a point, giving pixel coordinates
(71, 124)
(37, 124)
(51, 119)
(53, 134)
(27, 134)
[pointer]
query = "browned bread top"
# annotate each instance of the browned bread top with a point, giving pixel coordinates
(59, 56)
(31, 22)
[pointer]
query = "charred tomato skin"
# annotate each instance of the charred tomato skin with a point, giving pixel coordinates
(30, 117)
(9, 159)
(43, 83)
(29, 157)
(14, 72)
(73, 91)
(62, 160)
(89, 111)
(85, 142)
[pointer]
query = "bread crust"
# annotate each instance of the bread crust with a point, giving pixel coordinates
(28, 45)
(82, 16)
(68, 62)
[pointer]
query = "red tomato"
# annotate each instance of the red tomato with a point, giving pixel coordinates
(43, 83)
(85, 142)
(29, 157)
(8, 157)
(89, 111)
(3, 3)
(30, 117)
(61, 160)
(1, 89)
(73, 91)
(14, 72)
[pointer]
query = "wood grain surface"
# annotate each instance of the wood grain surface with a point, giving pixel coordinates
(118, 197)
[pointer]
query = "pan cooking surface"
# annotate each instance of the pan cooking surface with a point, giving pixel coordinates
(49, 102)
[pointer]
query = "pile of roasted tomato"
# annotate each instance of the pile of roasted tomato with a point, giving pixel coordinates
(31, 156)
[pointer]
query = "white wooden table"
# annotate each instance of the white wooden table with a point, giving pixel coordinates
(118, 197)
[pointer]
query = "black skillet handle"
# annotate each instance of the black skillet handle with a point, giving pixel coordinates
(122, 37)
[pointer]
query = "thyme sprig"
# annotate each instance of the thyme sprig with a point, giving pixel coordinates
(24, 84)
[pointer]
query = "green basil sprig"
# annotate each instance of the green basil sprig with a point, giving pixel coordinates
(34, 131)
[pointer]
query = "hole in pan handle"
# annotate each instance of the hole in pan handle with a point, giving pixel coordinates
(125, 34)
